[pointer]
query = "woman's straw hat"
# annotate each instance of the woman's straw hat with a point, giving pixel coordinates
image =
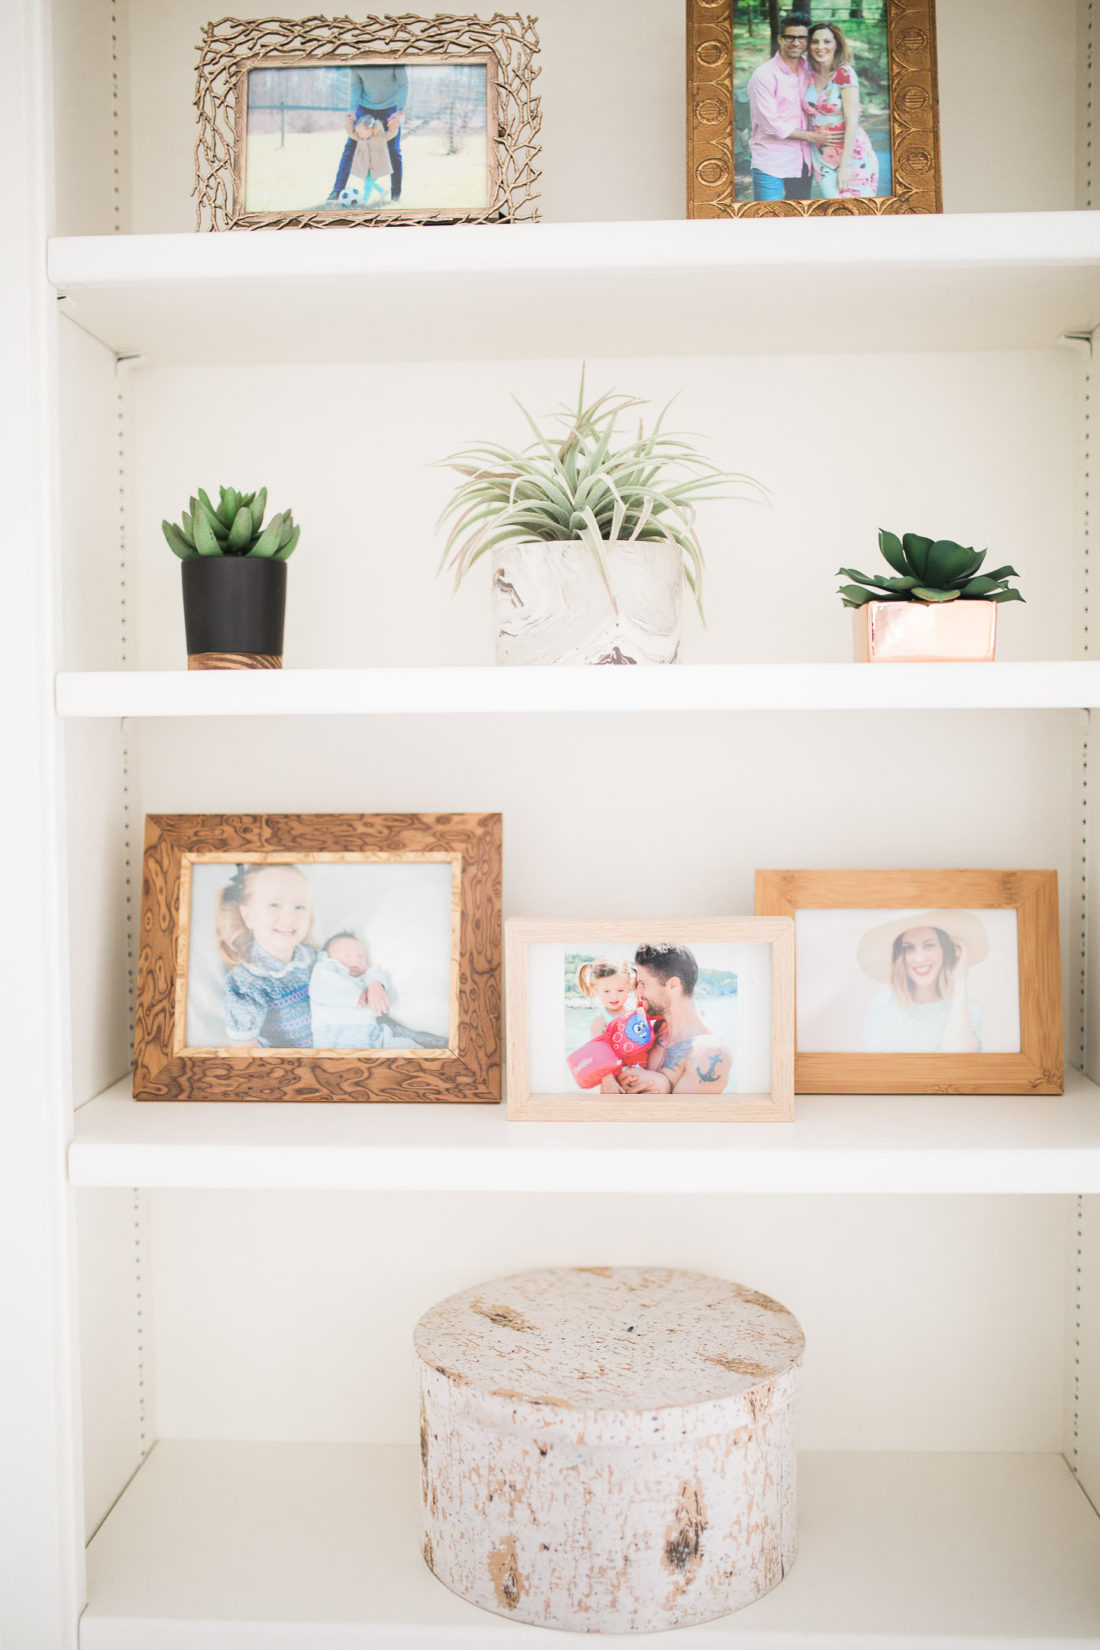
(876, 948)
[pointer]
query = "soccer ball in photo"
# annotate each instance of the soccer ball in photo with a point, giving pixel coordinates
(350, 196)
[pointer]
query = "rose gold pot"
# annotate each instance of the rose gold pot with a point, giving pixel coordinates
(912, 632)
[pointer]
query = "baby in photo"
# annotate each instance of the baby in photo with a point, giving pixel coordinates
(349, 1002)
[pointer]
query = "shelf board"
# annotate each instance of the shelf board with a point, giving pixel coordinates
(961, 281)
(480, 690)
(309, 1545)
(838, 1143)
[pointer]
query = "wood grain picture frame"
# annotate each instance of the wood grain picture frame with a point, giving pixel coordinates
(737, 163)
(699, 1009)
(319, 957)
(914, 982)
(376, 122)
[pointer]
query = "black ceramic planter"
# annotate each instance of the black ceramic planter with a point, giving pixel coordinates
(233, 609)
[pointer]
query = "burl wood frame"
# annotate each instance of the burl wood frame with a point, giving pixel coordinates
(1033, 895)
(593, 1107)
(230, 48)
(914, 115)
(165, 1069)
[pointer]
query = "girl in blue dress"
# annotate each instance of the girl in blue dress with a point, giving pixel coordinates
(264, 925)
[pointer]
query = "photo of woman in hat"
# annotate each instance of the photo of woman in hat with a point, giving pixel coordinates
(925, 962)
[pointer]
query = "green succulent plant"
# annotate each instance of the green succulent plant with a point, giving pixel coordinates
(232, 528)
(928, 570)
(579, 485)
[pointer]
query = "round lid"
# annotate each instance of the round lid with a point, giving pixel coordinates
(610, 1338)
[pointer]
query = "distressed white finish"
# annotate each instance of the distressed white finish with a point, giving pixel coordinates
(609, 1449)
(551, 605)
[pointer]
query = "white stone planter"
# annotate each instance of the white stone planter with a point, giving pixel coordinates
(551, 606)
(609, 1449)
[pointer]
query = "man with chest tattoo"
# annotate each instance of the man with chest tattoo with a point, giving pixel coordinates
(687, 1058)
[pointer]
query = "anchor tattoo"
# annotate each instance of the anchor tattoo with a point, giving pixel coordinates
(710, 1075)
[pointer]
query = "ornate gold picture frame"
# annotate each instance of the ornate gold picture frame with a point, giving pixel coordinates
(893, 167)
(331, 957)
(379, 122)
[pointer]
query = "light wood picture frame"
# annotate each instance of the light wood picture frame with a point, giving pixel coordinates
(892, 46)
(736, 1067)
(319, 957)
(282, 143)
(860, 977)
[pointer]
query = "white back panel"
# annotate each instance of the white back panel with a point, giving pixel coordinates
(91, 115)
(97, 904)
(93, 463)
(931, 1323)
(1084, 1320)
(980, 448)
(115, 1354)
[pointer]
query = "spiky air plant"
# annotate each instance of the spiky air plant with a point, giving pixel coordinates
(928, 570)
(580, 483)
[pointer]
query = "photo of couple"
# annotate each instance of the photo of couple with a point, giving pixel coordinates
(652, 1021)
(356, 136)
(811, 101)
(331, 956)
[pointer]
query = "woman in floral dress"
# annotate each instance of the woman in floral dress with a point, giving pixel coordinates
(847, 167)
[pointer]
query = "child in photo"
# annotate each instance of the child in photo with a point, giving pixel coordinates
(609, 986)
(264, 930)
(349, 1001)
(371, 161)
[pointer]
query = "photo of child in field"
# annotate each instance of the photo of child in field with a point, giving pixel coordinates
(378, 136)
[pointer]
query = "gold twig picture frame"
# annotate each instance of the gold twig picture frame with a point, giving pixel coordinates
(320, 957)
(660, 1020)
(804, 111)
(913, 982)
(383, 121)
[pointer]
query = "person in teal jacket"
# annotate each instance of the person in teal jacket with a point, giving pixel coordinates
(380, 91)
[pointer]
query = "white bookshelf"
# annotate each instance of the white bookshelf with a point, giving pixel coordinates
(968, 281)
(318, 1545)
(485, 690)
(250, 1274)
(838, 1143)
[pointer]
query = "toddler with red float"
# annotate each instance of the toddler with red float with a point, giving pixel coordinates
(620, 1033)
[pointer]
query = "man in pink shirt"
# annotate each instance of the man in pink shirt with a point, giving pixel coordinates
(780, 140)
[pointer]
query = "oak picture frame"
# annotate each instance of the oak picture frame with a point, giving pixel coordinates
(711, 117)
(467, 1069)
(230, 49)
(776, 1105)
(1038, 1067)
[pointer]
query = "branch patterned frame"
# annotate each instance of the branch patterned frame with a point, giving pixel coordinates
(914, 113)
(232, 46)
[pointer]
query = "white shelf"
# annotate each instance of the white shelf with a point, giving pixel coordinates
(973, 281)
(480, 690)
(838, 1143)
(311, 1545)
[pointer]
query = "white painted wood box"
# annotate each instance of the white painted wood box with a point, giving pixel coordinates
(609, 1449)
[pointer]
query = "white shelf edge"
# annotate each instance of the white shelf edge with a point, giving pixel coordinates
(478, 690)
(963, 240)
(317, 1545)
(840, 1144)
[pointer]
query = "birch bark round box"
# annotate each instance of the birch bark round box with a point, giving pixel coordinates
(609, 1449)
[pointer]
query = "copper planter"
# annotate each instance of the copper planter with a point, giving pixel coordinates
(916, 632)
